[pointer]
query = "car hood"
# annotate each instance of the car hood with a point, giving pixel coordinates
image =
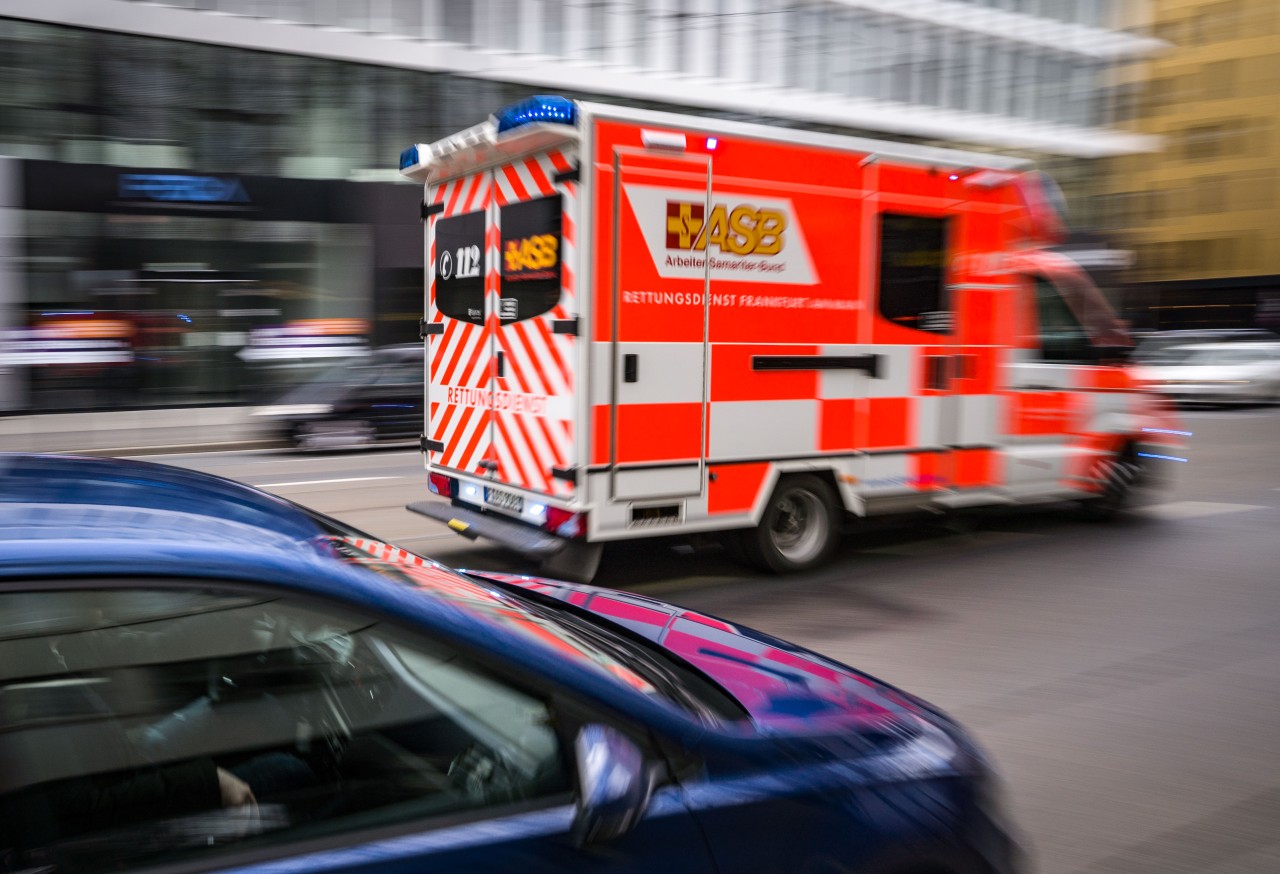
(782, 686)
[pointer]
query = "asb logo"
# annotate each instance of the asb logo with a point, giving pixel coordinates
(744, 230)
(742, 238)
(531, 257)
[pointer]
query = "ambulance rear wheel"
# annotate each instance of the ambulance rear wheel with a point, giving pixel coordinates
(799, 527)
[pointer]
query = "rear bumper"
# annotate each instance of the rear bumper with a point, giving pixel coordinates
(530, 542)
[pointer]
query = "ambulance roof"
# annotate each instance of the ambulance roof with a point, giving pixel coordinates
(543, 121)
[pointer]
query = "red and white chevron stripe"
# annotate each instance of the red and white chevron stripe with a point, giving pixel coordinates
(541, 362)
(460, 357)
(525, 446)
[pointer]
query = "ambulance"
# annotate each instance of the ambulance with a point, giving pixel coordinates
(642, 324)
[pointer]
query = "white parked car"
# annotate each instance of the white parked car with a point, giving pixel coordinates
(1215, 373)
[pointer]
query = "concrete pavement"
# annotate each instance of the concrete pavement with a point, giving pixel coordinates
(133, 432)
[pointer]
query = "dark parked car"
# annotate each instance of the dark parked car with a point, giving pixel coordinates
(369, 399)
(199, 676)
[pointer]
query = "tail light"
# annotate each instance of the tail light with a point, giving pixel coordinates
(445, 486)
(565, 523)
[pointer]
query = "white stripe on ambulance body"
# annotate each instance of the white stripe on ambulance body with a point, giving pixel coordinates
(834, 384)
(897, 371)
(1056, 377)
(980, 420)
(926, 418)
(763, 429)
(886, 473)
(668, 373)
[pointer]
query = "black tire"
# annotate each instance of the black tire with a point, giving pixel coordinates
(799, 528)
(330, 434)
(300, 435)
(1120, 474)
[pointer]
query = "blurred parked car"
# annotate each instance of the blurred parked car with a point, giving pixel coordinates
(1215, 373)
(1151, 346)
(197, 675)
(365, 400)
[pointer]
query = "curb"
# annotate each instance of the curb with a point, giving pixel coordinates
(176, 448)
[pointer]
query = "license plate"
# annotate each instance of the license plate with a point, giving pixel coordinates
(503, 500)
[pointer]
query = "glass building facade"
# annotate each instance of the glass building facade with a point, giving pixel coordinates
(208, 179)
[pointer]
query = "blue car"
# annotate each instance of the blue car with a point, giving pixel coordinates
(196, 676)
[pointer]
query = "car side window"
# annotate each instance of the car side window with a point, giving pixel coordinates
(148, 726)
(402, 374)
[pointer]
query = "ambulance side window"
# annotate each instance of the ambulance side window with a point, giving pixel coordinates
(1062, 337)
(913, 273)
(459, 267)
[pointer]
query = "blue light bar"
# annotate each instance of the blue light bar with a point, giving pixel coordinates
(541, 108)
(409, 157)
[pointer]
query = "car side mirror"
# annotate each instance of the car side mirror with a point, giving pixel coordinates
(614, 784)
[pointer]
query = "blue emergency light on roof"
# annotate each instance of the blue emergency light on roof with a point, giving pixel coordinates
(409, 157)
(539, 109)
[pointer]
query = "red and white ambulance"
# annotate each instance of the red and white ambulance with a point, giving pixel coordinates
(643, 324)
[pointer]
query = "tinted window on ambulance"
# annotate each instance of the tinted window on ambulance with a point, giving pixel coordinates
(913, 272)
(530, 258)
(459, 267)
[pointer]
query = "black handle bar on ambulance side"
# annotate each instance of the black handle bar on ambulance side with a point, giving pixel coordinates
(868, 364)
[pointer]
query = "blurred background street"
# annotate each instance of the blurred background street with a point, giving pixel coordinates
(200, 212)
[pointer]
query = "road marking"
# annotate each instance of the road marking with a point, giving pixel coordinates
(1197, 509)
(320, 482)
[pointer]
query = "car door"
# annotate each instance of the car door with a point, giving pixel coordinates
(233, 728)
(393, 400)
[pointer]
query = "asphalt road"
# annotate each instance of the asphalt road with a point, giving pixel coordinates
(1125, 676)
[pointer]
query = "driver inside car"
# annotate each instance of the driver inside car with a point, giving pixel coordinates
(147, 768)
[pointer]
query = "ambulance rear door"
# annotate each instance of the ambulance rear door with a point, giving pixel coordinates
(533, 229)
(459, 338)
(501, 329)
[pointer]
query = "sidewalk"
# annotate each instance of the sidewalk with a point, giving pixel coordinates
(134, 432)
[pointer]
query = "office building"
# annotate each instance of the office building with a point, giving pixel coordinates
(233, 161)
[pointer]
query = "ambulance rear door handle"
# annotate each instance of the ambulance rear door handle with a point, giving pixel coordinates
(630, 368)
(502, 365)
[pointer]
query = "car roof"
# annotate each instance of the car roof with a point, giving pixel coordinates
(67, 516)
(76, 518)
